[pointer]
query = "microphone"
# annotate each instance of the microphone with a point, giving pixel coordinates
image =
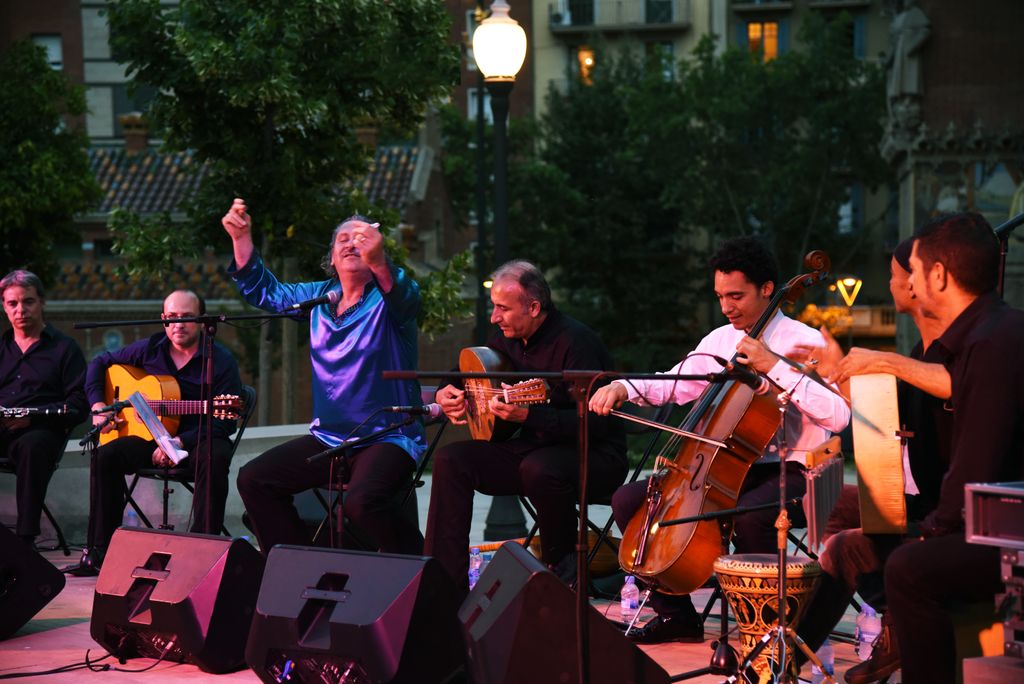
(748, 376)
(113, 408)
(331, 298)
(430, 410)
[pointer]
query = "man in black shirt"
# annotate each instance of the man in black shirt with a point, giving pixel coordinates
(954, 269)
(177, 353)
(39, 368)
(541, 460)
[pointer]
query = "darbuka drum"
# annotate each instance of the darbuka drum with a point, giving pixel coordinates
(751, 583)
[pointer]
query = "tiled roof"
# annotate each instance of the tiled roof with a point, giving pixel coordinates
(146, 182)
(151, 181)
(99, 280)
(390, 175)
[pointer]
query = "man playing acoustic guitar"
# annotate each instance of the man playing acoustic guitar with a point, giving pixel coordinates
(175, 353)
(541, 460)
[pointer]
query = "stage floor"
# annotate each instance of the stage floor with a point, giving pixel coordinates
(59, 636)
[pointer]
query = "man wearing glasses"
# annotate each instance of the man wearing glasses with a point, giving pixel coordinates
(175, 352)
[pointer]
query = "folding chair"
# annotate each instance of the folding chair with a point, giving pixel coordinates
(7, 466)
(186, 476)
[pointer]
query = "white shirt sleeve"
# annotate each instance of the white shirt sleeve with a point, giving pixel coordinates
(660, 392)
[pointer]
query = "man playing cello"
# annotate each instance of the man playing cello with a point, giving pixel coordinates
(745, 277)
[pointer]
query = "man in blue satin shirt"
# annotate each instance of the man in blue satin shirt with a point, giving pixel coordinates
(372, 328)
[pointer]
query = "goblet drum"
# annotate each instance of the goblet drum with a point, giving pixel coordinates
(750, 581)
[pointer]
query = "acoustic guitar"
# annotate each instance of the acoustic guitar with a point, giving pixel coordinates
(164, 396)
(482, 423)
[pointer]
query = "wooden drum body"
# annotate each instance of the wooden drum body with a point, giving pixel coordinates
(751, 583)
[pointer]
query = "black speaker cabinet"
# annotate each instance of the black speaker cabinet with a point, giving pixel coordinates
(183, 597)
(348, 616)
(519, 623)
(27, 582)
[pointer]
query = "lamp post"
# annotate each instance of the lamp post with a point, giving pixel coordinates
(499, 47)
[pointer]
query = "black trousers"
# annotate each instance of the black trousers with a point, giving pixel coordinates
(126, 455)
(377, 474)
(547, 475)
(753, 532)
(35, 453)
(922, 580)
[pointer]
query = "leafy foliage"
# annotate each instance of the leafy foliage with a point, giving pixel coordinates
(631, 179)
(269, 96)
(44, 171)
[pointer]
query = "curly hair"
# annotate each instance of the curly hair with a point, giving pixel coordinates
(750, 257)
(325, 261)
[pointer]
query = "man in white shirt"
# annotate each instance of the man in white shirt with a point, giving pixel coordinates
(745, 275)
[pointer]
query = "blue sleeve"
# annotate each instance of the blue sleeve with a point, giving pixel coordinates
(259, 287)
(403, 301)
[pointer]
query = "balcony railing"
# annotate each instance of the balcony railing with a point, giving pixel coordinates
(573, 16)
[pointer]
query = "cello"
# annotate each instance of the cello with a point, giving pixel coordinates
(706, 475)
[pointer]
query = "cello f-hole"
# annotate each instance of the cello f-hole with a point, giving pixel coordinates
(696, 481)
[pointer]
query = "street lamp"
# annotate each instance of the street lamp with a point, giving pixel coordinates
(499, 47)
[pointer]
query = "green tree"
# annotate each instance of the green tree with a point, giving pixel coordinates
(269, 96)
(44, 171)
(636, 174)
(772, 148)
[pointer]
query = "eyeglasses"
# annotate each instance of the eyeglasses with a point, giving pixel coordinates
(171, 318)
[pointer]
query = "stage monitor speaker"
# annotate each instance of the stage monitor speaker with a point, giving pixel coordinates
(519, 623)
(348, 616)
(27, 582)
(177, 596)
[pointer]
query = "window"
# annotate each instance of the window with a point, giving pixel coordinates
(663, 54)
(585, 63)
(470, 28)
(850, 219)
(471, 103)
(125, 103)
(763, 38)
(54, 51)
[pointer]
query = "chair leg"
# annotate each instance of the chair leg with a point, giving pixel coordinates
(62, 543)
(130, 501)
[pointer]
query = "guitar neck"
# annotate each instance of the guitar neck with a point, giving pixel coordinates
(177, 407)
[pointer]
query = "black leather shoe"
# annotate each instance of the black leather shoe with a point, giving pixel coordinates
(662, 629)
(884, 660)
(87, 566)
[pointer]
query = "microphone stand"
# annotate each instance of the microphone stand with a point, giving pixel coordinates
(204, 442)
(339, 453)
(582, 382)
(1002, 232)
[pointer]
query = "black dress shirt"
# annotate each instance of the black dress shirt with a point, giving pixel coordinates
(562, 343)
(984, 354)
(49, 375)
(153, 356)
(931, 422)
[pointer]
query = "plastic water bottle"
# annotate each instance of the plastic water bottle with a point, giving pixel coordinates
(629, 601)
(476, 564)
(869, 625)
(131, 518)
(827, 655)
